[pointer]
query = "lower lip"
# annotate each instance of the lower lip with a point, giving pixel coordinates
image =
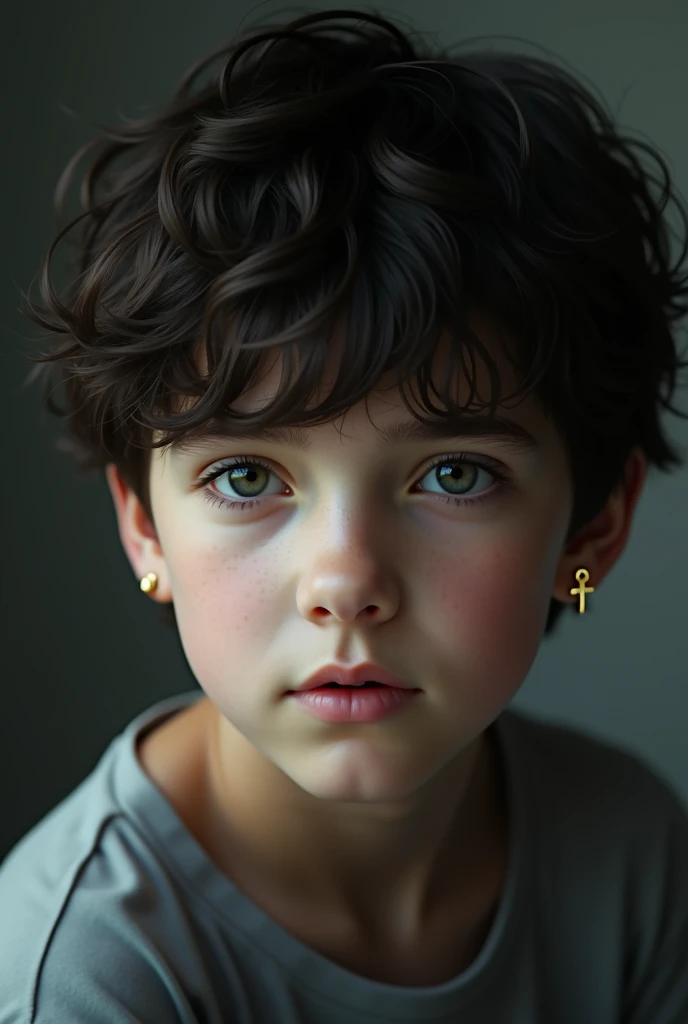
(354, 705)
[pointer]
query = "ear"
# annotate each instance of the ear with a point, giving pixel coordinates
(599, 544)
(137, 534)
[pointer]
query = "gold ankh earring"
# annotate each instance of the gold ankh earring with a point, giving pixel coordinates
(582, 575)
(148, 583)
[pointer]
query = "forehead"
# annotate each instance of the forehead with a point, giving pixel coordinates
(385, 393)
(383, 409)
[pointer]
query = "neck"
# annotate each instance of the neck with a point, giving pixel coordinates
(380, 866)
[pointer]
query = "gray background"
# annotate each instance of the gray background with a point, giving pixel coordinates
(83, 652)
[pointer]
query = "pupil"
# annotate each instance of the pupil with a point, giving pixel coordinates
(245, 475)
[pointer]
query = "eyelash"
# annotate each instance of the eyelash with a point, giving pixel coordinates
(249, 503)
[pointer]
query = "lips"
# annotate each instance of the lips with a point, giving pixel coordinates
(355, 676)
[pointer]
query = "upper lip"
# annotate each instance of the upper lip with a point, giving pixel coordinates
(357, 675)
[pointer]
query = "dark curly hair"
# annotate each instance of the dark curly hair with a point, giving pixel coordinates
(351, 169)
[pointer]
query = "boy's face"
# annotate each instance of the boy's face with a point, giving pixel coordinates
(264, 596)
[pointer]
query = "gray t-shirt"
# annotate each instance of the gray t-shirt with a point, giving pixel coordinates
(112, 913)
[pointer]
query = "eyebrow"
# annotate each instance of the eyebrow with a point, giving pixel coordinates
(478, 428)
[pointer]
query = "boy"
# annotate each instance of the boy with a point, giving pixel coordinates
(393, 844)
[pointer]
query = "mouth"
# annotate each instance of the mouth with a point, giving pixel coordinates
(369, 684)
(367, 675)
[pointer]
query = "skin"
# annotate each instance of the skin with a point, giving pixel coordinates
(370, 824)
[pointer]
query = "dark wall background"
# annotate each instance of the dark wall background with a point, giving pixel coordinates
(82, 648)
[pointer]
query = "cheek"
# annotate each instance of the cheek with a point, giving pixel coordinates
(487, 613)
(221, 606)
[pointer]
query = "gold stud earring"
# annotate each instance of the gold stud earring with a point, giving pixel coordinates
(582, 575)
(148, 583)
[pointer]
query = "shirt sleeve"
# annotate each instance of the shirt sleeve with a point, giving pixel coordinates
(657, 954)
(98, 967)
(105, 988)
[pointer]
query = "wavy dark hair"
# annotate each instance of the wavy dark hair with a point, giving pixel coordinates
(335, 168)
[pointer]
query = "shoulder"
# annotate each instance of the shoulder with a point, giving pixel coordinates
(591, 776)
(608, 835)
(603, 810)
(70, 946)
(615, 831)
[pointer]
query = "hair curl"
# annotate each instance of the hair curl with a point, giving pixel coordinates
(332, 169)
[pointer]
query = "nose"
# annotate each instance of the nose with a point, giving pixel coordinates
(356, 590)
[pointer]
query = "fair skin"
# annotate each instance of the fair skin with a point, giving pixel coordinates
(346, 559)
